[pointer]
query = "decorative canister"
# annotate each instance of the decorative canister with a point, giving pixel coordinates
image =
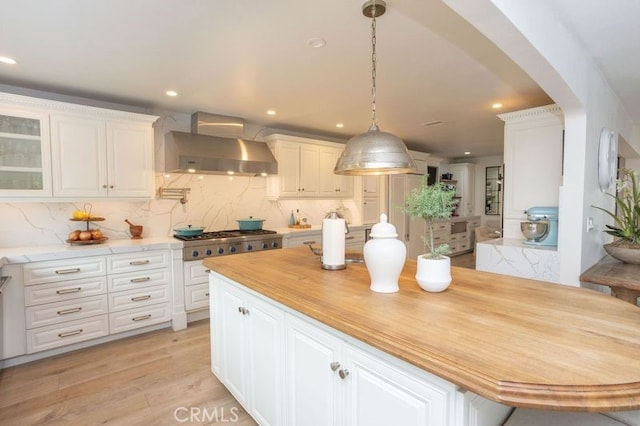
(384, 256)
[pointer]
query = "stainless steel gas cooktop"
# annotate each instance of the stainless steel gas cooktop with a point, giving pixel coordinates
(221, 243)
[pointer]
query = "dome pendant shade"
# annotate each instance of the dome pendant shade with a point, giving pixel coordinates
(374, 153)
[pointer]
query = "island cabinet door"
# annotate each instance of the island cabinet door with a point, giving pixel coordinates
(378, 393)
(231, 342)
(247, 350)
(313, 389)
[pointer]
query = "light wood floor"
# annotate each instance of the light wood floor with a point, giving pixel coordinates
(467, 260)
(140, 380)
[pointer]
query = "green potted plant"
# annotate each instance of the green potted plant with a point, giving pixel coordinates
(626, 228)
(432, 202)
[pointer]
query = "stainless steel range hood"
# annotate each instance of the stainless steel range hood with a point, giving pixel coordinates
(215, 146)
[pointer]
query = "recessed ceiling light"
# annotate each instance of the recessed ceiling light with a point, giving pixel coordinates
(339, 125)
(7, 60)
(496, 105)
(271, 112)
(171, 93)
(467, 152)
(317, 42)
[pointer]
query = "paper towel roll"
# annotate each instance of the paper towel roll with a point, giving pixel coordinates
(333, 241)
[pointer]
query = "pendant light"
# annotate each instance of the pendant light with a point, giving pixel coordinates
(374, 152)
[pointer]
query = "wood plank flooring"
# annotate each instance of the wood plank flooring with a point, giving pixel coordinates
(159, 378)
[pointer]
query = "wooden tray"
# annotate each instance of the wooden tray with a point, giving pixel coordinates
(88, 242)
(305, 226)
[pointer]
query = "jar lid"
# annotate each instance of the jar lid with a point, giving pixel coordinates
(383, 229)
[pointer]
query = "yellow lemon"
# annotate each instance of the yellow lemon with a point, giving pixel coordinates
(80, 214)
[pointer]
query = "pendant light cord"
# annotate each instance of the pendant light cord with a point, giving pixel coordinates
(374, 125)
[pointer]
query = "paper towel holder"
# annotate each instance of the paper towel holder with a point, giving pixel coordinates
(319, 251)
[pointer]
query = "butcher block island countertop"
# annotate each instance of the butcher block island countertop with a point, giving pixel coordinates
(515, 341)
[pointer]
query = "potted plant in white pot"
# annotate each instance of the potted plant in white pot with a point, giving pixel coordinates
(432, 202)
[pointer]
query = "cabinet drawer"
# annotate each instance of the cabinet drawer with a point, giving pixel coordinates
(459, 237)
(50, 337)
(195, 273)
(139, 279)
(139, 297)
(442, 226)
(68, 310)
(130, 262)
(57, 292)
(136, 318)
(63, 270)
(196, 296)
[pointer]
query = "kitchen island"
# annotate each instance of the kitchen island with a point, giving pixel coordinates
(518, 342)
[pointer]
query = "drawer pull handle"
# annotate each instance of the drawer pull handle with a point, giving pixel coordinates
(206, 271)
(349, 238)
(334, 366)
(68, 290)
(139, 262)
(140, 280)
(68, 271)
(69, 311)
(141, 318)
(206, 294)
(70, 333)
(343, 373)
(141, 298)
(306, 243)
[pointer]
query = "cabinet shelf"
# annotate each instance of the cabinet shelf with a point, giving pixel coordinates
(20, 136)
(20, 169)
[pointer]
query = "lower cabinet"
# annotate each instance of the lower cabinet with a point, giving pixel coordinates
(329, 381)
(288, 369)
(247, 354)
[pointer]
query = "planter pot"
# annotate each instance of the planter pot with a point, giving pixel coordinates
(434, 275)
(622, 253)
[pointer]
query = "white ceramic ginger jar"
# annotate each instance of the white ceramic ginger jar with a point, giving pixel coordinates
(384, 256)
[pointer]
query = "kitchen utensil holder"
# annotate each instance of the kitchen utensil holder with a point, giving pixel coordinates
(175, 194)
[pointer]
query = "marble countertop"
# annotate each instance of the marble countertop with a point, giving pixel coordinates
(516, 242)
(314, 228)
(65, 251)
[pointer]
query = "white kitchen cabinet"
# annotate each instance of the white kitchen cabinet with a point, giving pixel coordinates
(196, 285)
(92, 157)
(80, 312)
(370, 198)
(139, 289)
(302, 238)
(305, 169)
(247, 351)
(313, 358)
(331, 184)
(464, 177)
(331, 382)
(13, 331)
(25, 162)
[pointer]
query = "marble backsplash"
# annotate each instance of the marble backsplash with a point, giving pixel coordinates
(214, 202)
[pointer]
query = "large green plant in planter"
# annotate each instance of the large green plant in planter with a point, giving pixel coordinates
(431, 202)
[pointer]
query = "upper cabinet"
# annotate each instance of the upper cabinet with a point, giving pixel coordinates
(305, 169)
(50, 148)
(97, 158)
(25, 165)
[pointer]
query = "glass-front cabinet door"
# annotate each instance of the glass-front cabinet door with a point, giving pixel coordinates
(25, 163)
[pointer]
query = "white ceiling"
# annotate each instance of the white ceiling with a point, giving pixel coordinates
(244, 57)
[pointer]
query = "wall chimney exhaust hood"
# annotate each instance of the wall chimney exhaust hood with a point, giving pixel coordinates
(215, 146)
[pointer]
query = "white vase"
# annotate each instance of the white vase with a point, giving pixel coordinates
(384, 256)
(434, 275)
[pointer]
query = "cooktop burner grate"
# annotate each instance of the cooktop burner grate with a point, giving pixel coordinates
(224, 234)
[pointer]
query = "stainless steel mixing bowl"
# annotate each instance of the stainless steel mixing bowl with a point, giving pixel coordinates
(535, 231)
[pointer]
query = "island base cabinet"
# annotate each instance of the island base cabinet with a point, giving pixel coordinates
(329, 381)
(247, 354)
